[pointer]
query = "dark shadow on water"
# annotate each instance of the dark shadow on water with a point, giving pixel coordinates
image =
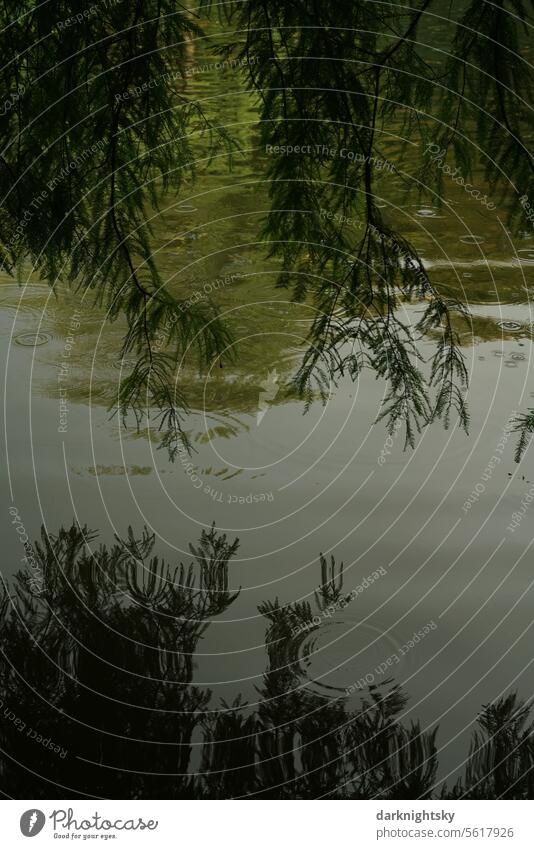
(98, 700)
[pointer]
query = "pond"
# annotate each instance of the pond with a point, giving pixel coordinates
(441, 527)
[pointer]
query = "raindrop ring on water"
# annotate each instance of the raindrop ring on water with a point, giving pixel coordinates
(32, 340)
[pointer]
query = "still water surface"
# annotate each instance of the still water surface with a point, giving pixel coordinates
(291, 485)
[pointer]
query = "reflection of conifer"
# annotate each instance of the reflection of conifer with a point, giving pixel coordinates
(331, 587)
(228, 766)
(103, 660)
(501, 757)
(102, 664)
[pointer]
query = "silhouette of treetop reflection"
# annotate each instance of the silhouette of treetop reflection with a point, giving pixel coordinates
(98, 698)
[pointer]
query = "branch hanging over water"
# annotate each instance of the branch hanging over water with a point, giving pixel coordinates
(332, 80)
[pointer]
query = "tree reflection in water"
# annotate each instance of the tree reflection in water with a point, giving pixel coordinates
(98, 696)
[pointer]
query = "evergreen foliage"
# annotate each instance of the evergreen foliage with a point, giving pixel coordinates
(99, 134)
(352, 75)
